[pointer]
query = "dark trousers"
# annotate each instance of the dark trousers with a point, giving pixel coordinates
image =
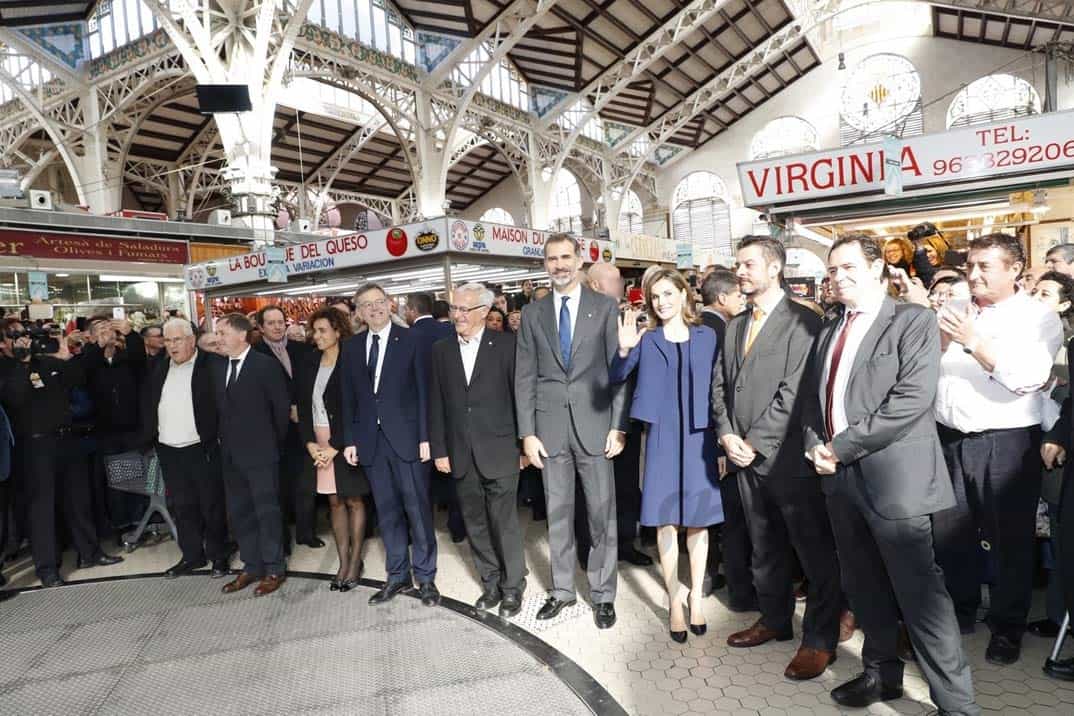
(443, 492)
(889, 570)
(784, 518)
(50, 475)
(490, 510)
(253, 508)
(729, 544)
(996, 476)
(196, 500)
(401, 491)
(1066, 538)
(627, 469)
(298, 488)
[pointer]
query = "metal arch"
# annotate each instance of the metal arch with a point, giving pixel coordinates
(495, 142)
(143, 112)
(1047, 10)
(509, 143)
(59, 141)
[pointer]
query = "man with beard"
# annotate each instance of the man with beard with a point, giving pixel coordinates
(573, 421)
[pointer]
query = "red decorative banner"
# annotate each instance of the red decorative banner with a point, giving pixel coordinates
(48, 245)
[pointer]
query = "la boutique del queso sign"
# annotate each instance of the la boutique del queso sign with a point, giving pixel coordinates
(1030, 145)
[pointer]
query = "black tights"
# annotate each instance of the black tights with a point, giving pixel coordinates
(348, 528)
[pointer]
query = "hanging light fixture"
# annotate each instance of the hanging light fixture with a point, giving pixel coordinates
(842, 61)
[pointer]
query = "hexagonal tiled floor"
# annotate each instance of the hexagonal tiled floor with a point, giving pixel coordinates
(647, 672)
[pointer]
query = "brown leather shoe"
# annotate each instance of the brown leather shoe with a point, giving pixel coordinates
(269, 584)
(808, 663)
(243, 581)
(756, 635)
(847, 625)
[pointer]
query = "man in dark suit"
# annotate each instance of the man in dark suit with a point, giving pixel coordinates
(572, 421)
(385, 421)
(755, 402)
(869, 428)
(729, 543)
(253, 404)
(473, 437)
(298, 493)
(427, 330)
(179, 419)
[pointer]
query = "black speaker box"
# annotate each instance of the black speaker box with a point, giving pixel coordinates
(223, 98)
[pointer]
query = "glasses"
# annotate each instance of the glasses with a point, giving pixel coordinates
(465, 309)
(379, 303)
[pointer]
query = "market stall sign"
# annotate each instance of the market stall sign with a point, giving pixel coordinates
(477, 237)
(1043, 142)
(48, 245)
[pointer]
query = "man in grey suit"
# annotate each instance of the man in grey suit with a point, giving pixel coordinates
(870, 430)
(756, 408)
(572, 420)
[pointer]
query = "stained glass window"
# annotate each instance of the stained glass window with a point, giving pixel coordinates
(630, 214)
(700, 215)
(496, 215)
(783, 136)
(566, 209)
(993, 98)
(881, 97)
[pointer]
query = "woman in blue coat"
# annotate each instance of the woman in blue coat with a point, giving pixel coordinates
(681, 489)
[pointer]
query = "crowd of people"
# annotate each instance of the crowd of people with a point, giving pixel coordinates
(888, 445)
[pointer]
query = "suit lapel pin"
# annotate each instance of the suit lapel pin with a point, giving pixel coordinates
(589, 315)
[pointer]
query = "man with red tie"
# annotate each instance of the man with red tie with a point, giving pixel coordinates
(870, 432)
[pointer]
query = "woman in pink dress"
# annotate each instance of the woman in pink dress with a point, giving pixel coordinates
(320, 419)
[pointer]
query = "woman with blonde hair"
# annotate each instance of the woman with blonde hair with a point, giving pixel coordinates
(674, 356)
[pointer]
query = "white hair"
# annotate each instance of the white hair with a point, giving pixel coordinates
(184, 326)
(485, 295)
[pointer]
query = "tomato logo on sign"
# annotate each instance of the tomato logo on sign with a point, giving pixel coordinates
(594, 251)
(396, 242)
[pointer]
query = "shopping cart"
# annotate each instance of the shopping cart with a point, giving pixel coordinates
(139, 474)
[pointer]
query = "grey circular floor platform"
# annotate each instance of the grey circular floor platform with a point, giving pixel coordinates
(155, 646)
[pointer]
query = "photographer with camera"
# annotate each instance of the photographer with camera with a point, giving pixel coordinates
(37, 397)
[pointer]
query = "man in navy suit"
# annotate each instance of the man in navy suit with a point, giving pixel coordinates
(385, 428)
(428, 330)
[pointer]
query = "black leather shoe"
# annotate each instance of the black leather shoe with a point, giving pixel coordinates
(1045, 628)
(712, 583)
(6, 595)
(183, 567)
(604, 615)
(101, 560)
(511, 604)
(52, 580)
(864, 691)
(221, 568)
(1063, 670)
(348, 584)
(1003, 650)
(315, 543)
(489, 599)
(429, 594)
(552, 607)
(635, 557)
(388, 592)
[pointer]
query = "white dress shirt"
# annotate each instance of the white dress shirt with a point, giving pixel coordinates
(1023, 335)
(175, 411)
(238, 369)
(468, 350)
(766, 306)
(381, 350)
(866, 316)
(573, 299)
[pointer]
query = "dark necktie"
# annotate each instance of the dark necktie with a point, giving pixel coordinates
(233, 373)
(374, 356)
(837, 355)
(565, 332)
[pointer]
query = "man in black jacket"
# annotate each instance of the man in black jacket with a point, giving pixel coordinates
(37, 396)
(298, 494)
(179, 417)
(115, 368)
(253, 405)
(472, 436)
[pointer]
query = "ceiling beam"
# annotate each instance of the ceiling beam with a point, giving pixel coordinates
(1061, 11)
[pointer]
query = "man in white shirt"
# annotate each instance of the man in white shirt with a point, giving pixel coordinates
(870, 432)
(180, 419)
(997, 361)
(472, 437)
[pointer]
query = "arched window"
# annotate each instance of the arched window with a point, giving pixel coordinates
(566, 209)
(496, 215)
(993, 98)
(783, 136)
(700, 215)
(630, 214)
(882, 97)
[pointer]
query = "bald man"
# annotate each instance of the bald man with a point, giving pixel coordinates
(604, 278)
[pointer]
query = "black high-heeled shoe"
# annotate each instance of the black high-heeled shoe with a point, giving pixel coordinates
(679, 637)
(348, 584)
(333, 585)
(697, 629)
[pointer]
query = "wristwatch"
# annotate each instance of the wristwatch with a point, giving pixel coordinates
(970, 348)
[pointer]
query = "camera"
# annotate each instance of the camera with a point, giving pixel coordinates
(42, 342)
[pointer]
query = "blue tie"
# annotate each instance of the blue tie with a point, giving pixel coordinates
(565, 332)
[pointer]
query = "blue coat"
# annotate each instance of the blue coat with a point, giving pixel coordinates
(685, 492)
(399, 404)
